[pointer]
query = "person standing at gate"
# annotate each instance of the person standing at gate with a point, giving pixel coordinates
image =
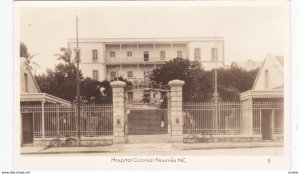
(162, 124)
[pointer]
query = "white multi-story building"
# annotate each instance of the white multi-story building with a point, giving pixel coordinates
(107, 59)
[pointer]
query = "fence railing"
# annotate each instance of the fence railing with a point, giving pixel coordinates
(274, 108)
(225, 118)
(212, 119)
(95, 120)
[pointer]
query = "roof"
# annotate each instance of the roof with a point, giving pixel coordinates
(154, 39)
(39, 97)
(277, 61)
(261, 94)
(23, 61)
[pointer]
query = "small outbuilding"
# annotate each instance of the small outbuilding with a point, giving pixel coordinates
(265, 117)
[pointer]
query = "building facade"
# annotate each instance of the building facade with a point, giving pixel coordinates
(31, 101)
(132, 59)
(266, 99)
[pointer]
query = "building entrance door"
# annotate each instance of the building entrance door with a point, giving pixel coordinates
(266, 124)
(27, 128)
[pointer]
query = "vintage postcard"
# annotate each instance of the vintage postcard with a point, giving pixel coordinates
(152, 85)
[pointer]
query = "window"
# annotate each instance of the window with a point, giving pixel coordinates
(179, 54)
(197, 54)
(129, 54)
(162, 55)
(146, 56)
(112, 54)
(112, 75)
(130, 74)
(26, 82)
(95, 55)
(266, 79)
(214, 54)
(95, 75)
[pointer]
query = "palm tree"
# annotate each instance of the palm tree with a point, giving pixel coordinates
(65, 55)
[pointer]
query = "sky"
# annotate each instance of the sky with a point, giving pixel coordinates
(250, 32)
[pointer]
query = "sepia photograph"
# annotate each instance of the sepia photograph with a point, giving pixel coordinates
(152, 83)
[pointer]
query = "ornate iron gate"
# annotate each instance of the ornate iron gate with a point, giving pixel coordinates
(145, 94)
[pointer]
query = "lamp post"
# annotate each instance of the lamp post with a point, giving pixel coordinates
(215, 98)
(78, 85)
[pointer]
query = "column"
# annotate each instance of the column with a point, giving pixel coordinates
(176, 111)
(57, 119)
(247, 127)
(118, 111)
(43, 118)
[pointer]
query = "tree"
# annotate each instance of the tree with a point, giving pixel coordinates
(65, 55)
(60, 82)
(95, 91)
(199, 83)
(233, 81)
(99, 92)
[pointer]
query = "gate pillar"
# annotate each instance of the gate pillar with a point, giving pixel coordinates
(176, 111)
(118, 111)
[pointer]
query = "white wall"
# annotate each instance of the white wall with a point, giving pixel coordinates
(87, 70)
(32, 88)
(276, 75)
(206, 47)
(87, 65)
(86, 48)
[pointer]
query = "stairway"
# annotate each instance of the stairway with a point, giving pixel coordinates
(147, 122)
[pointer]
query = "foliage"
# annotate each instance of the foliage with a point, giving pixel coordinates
(65, 55)
(198, 82)
(232, 82)
(60, 82)
(99, 92)
(95, 91)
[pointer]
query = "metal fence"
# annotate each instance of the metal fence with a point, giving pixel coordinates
(95, 120)
(207, 118)
(274, 108)
(225, 118)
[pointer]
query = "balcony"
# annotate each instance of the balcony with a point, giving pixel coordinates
(135, 60)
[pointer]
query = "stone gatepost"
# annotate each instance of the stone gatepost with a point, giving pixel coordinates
(247, 117)
(118, 111)
(176, 111)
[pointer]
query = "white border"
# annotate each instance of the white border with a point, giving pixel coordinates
(6, 76)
